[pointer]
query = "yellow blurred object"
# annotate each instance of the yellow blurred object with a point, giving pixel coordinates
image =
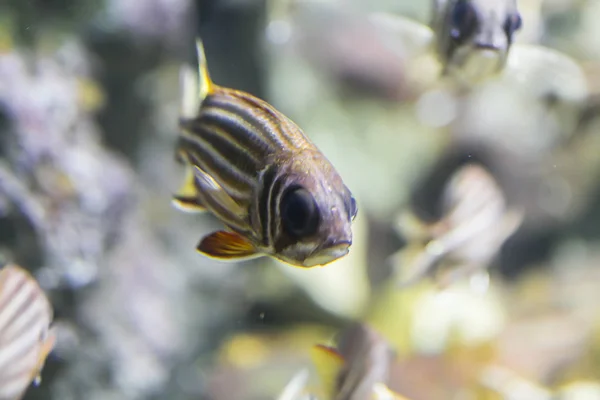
(328, 364)
(6, 42)
(90, 95)
(249, 350)
(245, 351)
(392, 313)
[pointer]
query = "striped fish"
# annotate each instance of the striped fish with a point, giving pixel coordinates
(475, 223)
(25, 337)
(257, 172)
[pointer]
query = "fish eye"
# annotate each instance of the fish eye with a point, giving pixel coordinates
(464, 19)
(512, 24)
(299, 213)
(353, 210)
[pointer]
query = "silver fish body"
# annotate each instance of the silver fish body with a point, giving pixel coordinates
(256, 171)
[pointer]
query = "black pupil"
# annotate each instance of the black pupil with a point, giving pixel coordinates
(353, 208)
(299, 213)
(513, 23)
(464, 20)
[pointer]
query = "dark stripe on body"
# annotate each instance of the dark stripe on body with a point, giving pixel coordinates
(268, 180)
(217, 139)
(10, 297)
(247, 133)
(28, 303)
(223, 214)
(288, 131)
(235, 183)
(275, 127)
(274, 200)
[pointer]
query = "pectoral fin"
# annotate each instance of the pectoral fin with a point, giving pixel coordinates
(188, 204)
(328, 362)
(211, 189)
(227, 246)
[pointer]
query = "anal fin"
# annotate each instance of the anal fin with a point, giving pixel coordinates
(227, 246)
(212, 189)
(186, 199)
(188, 204)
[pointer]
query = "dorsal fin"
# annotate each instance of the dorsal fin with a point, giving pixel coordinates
(195, 86)
(205, 84)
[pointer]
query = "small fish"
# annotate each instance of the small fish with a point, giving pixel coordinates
(470, 38)
(358, 369)
(476, 222)
(473, 37)
(25, 336)
(255, 170)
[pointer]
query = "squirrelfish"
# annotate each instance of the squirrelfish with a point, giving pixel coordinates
(358, 369)
(25, 336)
(476, 222)
(257, 172)
(473, 37)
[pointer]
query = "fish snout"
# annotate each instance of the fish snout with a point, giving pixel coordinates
(485, 45)
(330, 251)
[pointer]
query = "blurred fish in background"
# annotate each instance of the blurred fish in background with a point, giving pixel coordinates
(358, 368)
(26, 338)
(475, 223)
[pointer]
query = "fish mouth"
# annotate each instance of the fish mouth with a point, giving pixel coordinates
(328, 253)
(487, 46)
(478, 63)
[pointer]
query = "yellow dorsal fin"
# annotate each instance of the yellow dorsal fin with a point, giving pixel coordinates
(205, 84)
(328, 363)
